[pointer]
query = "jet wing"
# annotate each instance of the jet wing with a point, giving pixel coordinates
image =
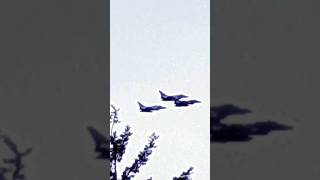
(157, 107)
(148, 108)
(180, 96)
(193, 101)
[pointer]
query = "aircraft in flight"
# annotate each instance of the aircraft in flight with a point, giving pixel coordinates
(180, 103)
(101, 143)
(149, 108)
(165, 97)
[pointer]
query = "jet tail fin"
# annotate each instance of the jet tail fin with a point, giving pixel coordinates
(162, 94)
(141, 105)
(97, 136)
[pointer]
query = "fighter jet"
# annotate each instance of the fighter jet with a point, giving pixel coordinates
(180, 103)
(165, 97)
(101, 143)
(149, 108)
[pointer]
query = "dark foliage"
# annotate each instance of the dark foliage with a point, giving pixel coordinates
(185, 175)
(15, 163)
(221, 132)
(142, 159)
(117, 149)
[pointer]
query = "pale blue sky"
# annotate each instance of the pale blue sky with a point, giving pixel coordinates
(163, 45)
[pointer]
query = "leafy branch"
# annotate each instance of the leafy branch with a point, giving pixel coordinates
(185, 175)
(142, 159)
(118, 144)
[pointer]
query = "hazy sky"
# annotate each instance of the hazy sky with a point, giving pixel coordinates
(163, 45)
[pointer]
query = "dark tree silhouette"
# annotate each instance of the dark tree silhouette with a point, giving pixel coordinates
(118, 147)
(117, 150)
(118, 144)
(15, 162)
(185, 175)
(142, 159)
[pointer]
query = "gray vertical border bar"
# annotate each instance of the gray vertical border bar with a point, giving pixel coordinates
(211, 75)
(54, 82)
(108, 78)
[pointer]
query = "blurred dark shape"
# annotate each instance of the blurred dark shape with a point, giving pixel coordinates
(16, 161)
(150, 108)
(185, 175)
(101, 143)
(3, 172)
(222, 133)
(221, 112)
(180, 103)
(165, 97)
